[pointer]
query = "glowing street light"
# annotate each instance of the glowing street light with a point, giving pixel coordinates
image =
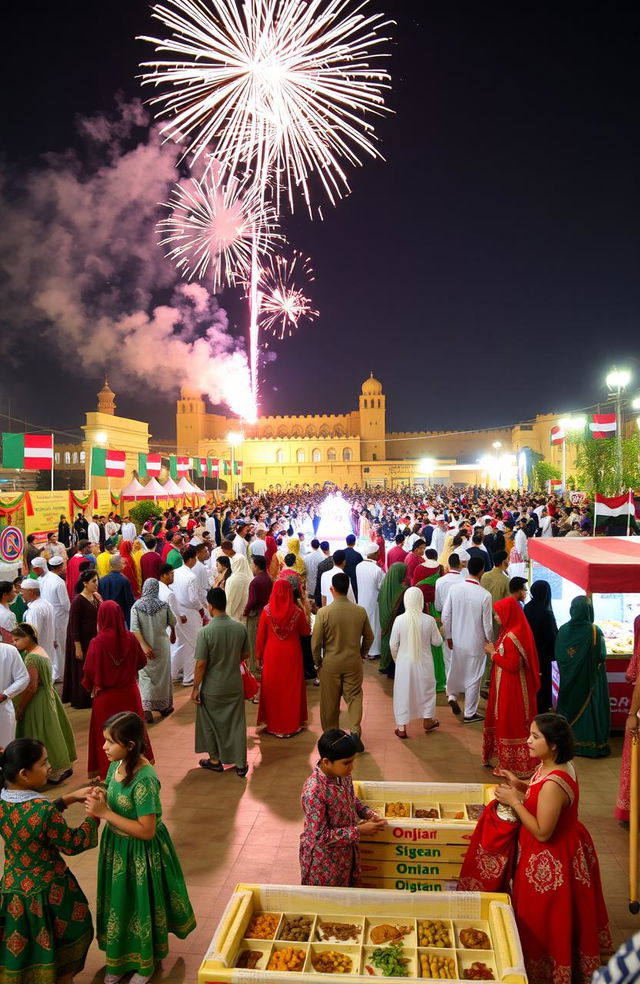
(635, 403)
(102, 437)
(617, 382)
(497, 445)
(427, 466)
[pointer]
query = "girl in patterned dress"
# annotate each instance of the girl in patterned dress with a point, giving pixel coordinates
(45, 923)
(142, 896)
(334, 818)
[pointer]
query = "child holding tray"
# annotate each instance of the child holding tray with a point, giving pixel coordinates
(334, 818)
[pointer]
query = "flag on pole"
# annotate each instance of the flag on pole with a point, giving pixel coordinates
(226, 467)
(29, 451)
(602, 425)
(201, 467)
(608, 508)
(149, 465)
(108, 464)
(178, 467)
(557, 434)
(555, 485)
(237, 467)
(214, 467)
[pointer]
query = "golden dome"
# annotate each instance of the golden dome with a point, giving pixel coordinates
(371, 386)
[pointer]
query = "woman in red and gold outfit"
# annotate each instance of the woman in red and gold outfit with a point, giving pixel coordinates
(515, 679)
(557, 895)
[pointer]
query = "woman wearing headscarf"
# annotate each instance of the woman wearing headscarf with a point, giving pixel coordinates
(293, 547)
(425, 577)
(583, 696)
(515, 678)
(150, 619)
(283, 701)
(137, 551)
(111, 677)
(237, 588)
(390, 605)
(413, 637)
(129, 567)
(539, 615)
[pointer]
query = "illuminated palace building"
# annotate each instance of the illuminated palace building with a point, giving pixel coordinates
(355, 448)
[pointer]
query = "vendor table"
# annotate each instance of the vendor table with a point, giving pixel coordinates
(272, 933)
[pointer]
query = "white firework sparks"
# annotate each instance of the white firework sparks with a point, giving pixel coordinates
(277, 86)
(214, 227)
(283, 303)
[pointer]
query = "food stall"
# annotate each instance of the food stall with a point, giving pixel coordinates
(429, 829)
(268, 932)
(607, 569)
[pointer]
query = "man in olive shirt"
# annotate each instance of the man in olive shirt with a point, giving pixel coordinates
(340, 642)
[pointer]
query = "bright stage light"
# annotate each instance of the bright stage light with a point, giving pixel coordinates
(427, 465)
(618, 379)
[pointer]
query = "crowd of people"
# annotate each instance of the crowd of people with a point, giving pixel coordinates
(429, 585)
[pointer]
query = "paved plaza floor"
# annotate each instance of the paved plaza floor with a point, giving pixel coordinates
(228, 830)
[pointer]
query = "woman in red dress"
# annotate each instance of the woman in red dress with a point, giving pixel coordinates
(129, 567)
(283, 701)
(632, 675)
(557, 895)
(111, 677)
(515, 681)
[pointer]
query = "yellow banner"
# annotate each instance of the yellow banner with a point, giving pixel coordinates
(47, 509)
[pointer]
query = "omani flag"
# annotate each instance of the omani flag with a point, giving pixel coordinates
(28, 451)
(108, 464)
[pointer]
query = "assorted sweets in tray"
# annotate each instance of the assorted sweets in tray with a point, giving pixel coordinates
(362, 934)
(428, 810)
(366, 946)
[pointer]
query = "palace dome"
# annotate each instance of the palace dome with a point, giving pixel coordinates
(371, 386)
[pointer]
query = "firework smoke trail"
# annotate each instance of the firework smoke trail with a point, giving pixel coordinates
(283, 302)
(279, 88)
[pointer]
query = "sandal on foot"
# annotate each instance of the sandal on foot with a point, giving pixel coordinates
(436, 724)
(211, 766)
(242, 772)
(400, 734)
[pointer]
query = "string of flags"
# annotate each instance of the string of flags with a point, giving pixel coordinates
(35, 452)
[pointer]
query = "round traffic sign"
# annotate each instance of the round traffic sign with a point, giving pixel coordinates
(11, 544)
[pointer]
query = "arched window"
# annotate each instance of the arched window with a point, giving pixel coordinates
(331, 454)
(346, 454)
(74, 458)
(300, 456)
(365, 403)
(379, 404)
(279, 456)
(57, 458)
(315, 456)
(83, 457)
(67, 457)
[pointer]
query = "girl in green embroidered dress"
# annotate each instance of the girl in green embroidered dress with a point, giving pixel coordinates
(142, 896)
(45, 923)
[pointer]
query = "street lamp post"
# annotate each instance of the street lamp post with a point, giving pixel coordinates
(617, 382)
(234, 438)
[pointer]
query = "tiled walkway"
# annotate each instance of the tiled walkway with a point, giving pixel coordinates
(228, 830)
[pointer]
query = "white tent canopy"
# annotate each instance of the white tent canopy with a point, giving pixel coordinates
(189, 488)
(134, 490)
(153, 490)
(170, 488)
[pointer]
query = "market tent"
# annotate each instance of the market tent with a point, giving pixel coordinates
(153, 490)
(134, 490)
(188, 488)
(171, 489)
(604, 564)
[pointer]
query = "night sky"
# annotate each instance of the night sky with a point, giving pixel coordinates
(488, 270)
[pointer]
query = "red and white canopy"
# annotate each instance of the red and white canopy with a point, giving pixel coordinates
(604, 564)
(134, 490)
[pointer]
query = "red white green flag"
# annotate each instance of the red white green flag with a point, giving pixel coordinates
(201, 467)
(178, 467)
(557, 434)
(29, 451)
(214, 467)
(618, 505)
(237, 467)
(149, 465)
(108, 464)
(602, 425)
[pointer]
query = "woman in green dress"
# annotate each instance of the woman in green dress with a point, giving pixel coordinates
(425, 577)
(45, 923)
(40, 713)
(583, 697)
(390, 606)
(142, 896)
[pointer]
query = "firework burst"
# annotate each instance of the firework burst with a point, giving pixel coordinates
(278, 86)
(215, 225)
(283, 303)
